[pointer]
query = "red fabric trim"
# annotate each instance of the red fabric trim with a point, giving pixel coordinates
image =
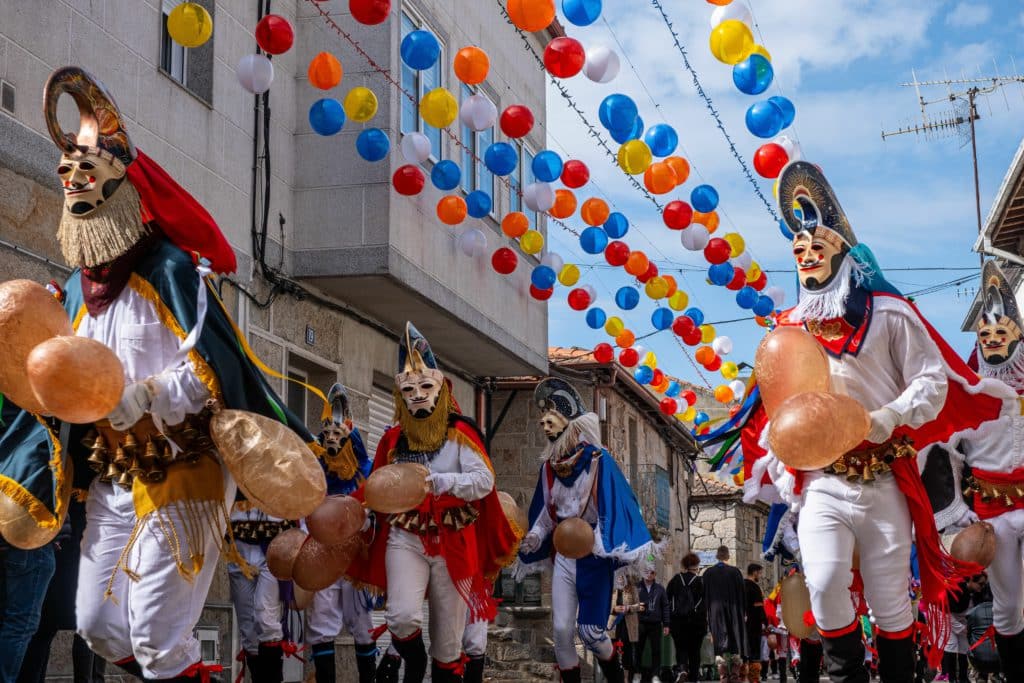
(896, 635)
(241, 657)
(989, 634)
(415, 634)
(987, 509)
(376, 633)
(201, 670)
(458, 667)
(122, 662)
(1014, 477)
(840, 632)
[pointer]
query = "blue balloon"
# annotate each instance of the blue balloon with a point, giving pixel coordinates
(618, 112)
(625, 135)
(662, 139)
(616, 226)
(662, 318)
(764, 305)
(764, 119)
(627, 298)
(326, 116)
(674, 389)
(478, 205)
(581, 12)
(420, 50)
(547, 166)
(696, 315)
(704, 198)
(373, 145)
(784, 229)
(753, 75)
(501, 158)
(787, 109)
(746, 298)
(721, 274)
(593, 240)
(543, 277)
(701, 418)
(446, 175)
(596, 318)
(643, 374)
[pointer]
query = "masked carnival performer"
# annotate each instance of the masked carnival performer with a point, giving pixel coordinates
(157, 512)
(884, 354)
(450, 548)
(580, 479)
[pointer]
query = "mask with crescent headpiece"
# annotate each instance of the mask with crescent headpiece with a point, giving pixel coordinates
(419, 380)
(559, 403)
(999, 326)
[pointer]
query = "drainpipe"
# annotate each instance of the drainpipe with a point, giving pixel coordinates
(987, 248)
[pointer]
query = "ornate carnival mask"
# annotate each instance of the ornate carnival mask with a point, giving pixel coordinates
(90, 177)
(419, 380)
(999, 326)
(337, 424)
(559, 403)
(818, 257)
(553, 423)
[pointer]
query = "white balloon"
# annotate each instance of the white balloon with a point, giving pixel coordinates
(694, 237)
(743, 260)
(792, 147)
(473, 242)
(415, 147)
(738, 387)
(722, 345)
(553, 261)
(478, 112)
(777, 294)
(734, 10)
(589, 289)
(602, 65)
(539, 197)
(255, 73)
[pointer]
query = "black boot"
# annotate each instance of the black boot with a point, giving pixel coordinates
(252, 663)
(612, 669)
(896, 659)
(1011, 656)
(387, 670)
(414, 653)
(844, 656)
(446, 673)
(474, 670)
(366, 662)
(570, 675)
(271, 663)
(323, 662)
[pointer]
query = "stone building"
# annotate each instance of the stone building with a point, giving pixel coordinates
(332, 262)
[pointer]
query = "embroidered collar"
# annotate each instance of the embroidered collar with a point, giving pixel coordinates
(846, 334)
(570, 468)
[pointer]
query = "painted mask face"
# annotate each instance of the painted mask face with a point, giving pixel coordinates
(89, 180)
(420, 391)
(997, 341)
(334, 436)
(817, 259)
(553, 423)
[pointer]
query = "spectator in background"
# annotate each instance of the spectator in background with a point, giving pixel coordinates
(724, 594)
(688, 622)
(626, 625)
(756, 621)
(654, 621)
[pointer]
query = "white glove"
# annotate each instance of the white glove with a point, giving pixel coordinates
(883, 422)
(965, 520)
(530, 543)
(442, 482)
(135, 402)
(367, 522)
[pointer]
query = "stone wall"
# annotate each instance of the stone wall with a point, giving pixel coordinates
(736, 525)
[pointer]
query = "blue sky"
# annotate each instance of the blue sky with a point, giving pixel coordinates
(841, 63)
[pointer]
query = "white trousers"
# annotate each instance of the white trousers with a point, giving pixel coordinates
(564, 609)
(836, 515)
(474, 638)
(257, 601)
(150, 619)
(1006, 573)
(413, 577)
(337, 606)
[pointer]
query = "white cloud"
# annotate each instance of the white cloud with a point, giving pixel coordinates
(968, 14)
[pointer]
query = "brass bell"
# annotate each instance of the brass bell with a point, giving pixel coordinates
(113, 471)
(877, 465)
(135, 469)
(96, 460)
(154, 474)
(868, 474)
(839, 466)
(1007, 500)
(94, 440)
(121, 458)
(151, 453)
(125, 480)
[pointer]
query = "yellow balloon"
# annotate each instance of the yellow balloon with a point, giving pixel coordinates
(531, 242)
(189, 24)
(753, 272)
(657, 287)
(650, 359)
(678, 301)
(731, 41)
(439, 108)
(614, 326)
(729, 370)
(707, 333)
(360, 104)
(569, 274)
(635, 157)
(775, 189)
(761, 50)
(690, 414)
(735, 241)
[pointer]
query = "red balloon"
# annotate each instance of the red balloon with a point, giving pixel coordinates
(717, 250)
(579, 299)
(693, 337)
(517, 121)
(668, 406)
(369, 11)
(575, 174)
(760, 282)
(658, 378)
(652, 271)
(683, 325)
(689, 396)
(677, 215)
(739, 279)
(769, 160)
(629, 357)
(408, 180)
(504, 260)
(541, 294)
(616, 253)
(564, 57)
(604, 353)
(714, 365)
(274, 34)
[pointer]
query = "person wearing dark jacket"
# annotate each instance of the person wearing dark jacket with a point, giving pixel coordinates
(654, 620)
(756, 621)
(724, 593)
(688, 616)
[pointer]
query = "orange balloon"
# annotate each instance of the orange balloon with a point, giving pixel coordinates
(723, 394)
(325, 71)
(673, 287)
(565, 204)
(515, 224)
(704, 355)
(531, 15)
(842, 418)
(708, 220)
(660, 178)
(451, 209)
(789, 361)
(471, 65)
(595, 211)
(682, 168)
(625, 339)
(573, 538)
(637, 263)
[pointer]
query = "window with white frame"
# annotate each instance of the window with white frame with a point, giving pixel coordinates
(191, 67)
(417, 84)
(526, 177)
(173, 57)
(475, 174)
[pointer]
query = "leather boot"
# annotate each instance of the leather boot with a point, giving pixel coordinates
(366, 662)
(896, 659)
(570, 675)
(387, 669)
(450, 672)
(474, 670)
(323, 663)
(271, 663)
(414, 653)
(1011, 656)
(844, 658)
(612, 669)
